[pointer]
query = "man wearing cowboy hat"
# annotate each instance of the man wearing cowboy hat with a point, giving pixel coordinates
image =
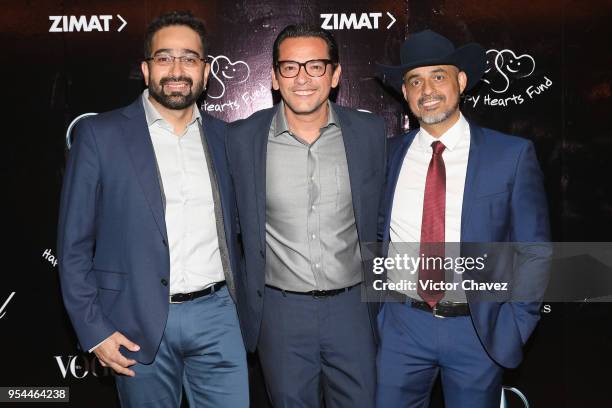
(452, 181)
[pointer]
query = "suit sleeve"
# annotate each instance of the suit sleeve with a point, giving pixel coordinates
(531, 237)
(76, 239)
(380, 225)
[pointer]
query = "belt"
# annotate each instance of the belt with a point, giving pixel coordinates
(186, 297)
(316, 293)
(441, 309)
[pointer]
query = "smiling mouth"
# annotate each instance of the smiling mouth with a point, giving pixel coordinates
(304, 92)
(176, 85)
(430, 104)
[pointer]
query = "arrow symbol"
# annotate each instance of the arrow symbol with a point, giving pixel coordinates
(125, 23)
(392, 18)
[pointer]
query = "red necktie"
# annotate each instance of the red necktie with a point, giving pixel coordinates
(432, 227)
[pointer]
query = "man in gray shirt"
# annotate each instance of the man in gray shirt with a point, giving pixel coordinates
(308, 176)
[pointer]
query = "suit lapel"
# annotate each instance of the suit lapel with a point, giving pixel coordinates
(141, 151)
(469, 191)
(353, 154)
(260, 149)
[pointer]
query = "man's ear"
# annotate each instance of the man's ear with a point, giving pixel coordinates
(336, 76)
(205, 74)
(274, 80)
(462, 79)
(144, 67)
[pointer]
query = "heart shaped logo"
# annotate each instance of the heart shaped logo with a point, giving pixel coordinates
(224, 72)
(504, 65)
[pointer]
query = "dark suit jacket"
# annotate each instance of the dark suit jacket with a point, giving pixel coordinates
(112, 242)
(503, 201)
(364, 141)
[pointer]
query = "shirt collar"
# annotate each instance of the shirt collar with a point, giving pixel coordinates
(280, 119)
(153, 116)
(450, 139)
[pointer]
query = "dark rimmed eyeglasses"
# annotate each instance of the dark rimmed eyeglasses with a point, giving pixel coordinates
(165, 60)
(314, 68)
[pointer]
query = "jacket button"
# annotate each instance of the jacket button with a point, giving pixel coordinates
(164, 282)
(259, 293)
(164, 242)
(261, 252)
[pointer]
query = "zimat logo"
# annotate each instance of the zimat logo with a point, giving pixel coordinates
(354, 21)
(63, 24)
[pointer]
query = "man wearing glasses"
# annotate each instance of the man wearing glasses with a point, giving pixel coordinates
(308, 176)
(147, 247)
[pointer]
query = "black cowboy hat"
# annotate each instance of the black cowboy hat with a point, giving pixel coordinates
(427, 48)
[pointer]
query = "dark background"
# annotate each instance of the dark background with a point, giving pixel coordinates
(49, 78)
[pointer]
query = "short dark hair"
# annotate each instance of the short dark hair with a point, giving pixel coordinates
(174, 18)
(306, 30)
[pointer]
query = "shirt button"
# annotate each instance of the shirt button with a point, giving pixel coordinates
(317, 265)
(313, 236)
(313, 207)
(164, 282)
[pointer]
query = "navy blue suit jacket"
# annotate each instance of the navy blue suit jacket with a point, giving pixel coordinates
(365, 146)
(503, 201)
(112, 242)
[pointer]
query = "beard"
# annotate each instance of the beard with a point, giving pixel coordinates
(175, 100)
(435, 118)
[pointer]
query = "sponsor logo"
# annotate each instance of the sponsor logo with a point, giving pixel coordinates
(69, 24)
(72, 125)
(354, 21)
(225, 74)
(80, 366)
(509, 80)
(5, 304)
(50, 257)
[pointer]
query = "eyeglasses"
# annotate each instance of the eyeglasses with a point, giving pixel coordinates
(314, 68)
(165, 60)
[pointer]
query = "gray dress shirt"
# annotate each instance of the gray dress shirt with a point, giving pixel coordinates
(311, 236)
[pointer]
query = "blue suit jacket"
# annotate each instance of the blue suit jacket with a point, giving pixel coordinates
(365, 146)
(112, 242)
(503, 201)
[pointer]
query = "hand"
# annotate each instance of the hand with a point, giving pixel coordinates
(109, 355)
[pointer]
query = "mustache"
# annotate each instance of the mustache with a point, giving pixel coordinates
(425, 99)
(165, 80)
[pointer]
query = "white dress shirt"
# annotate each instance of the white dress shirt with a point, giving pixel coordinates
(195, 261)
(407, 211)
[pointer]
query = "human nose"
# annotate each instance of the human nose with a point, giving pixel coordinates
(427, 87)
(302, 77)
(176, 68)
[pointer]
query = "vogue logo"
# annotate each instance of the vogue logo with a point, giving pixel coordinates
(81, 366)
(63, 24)
(5, 304)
